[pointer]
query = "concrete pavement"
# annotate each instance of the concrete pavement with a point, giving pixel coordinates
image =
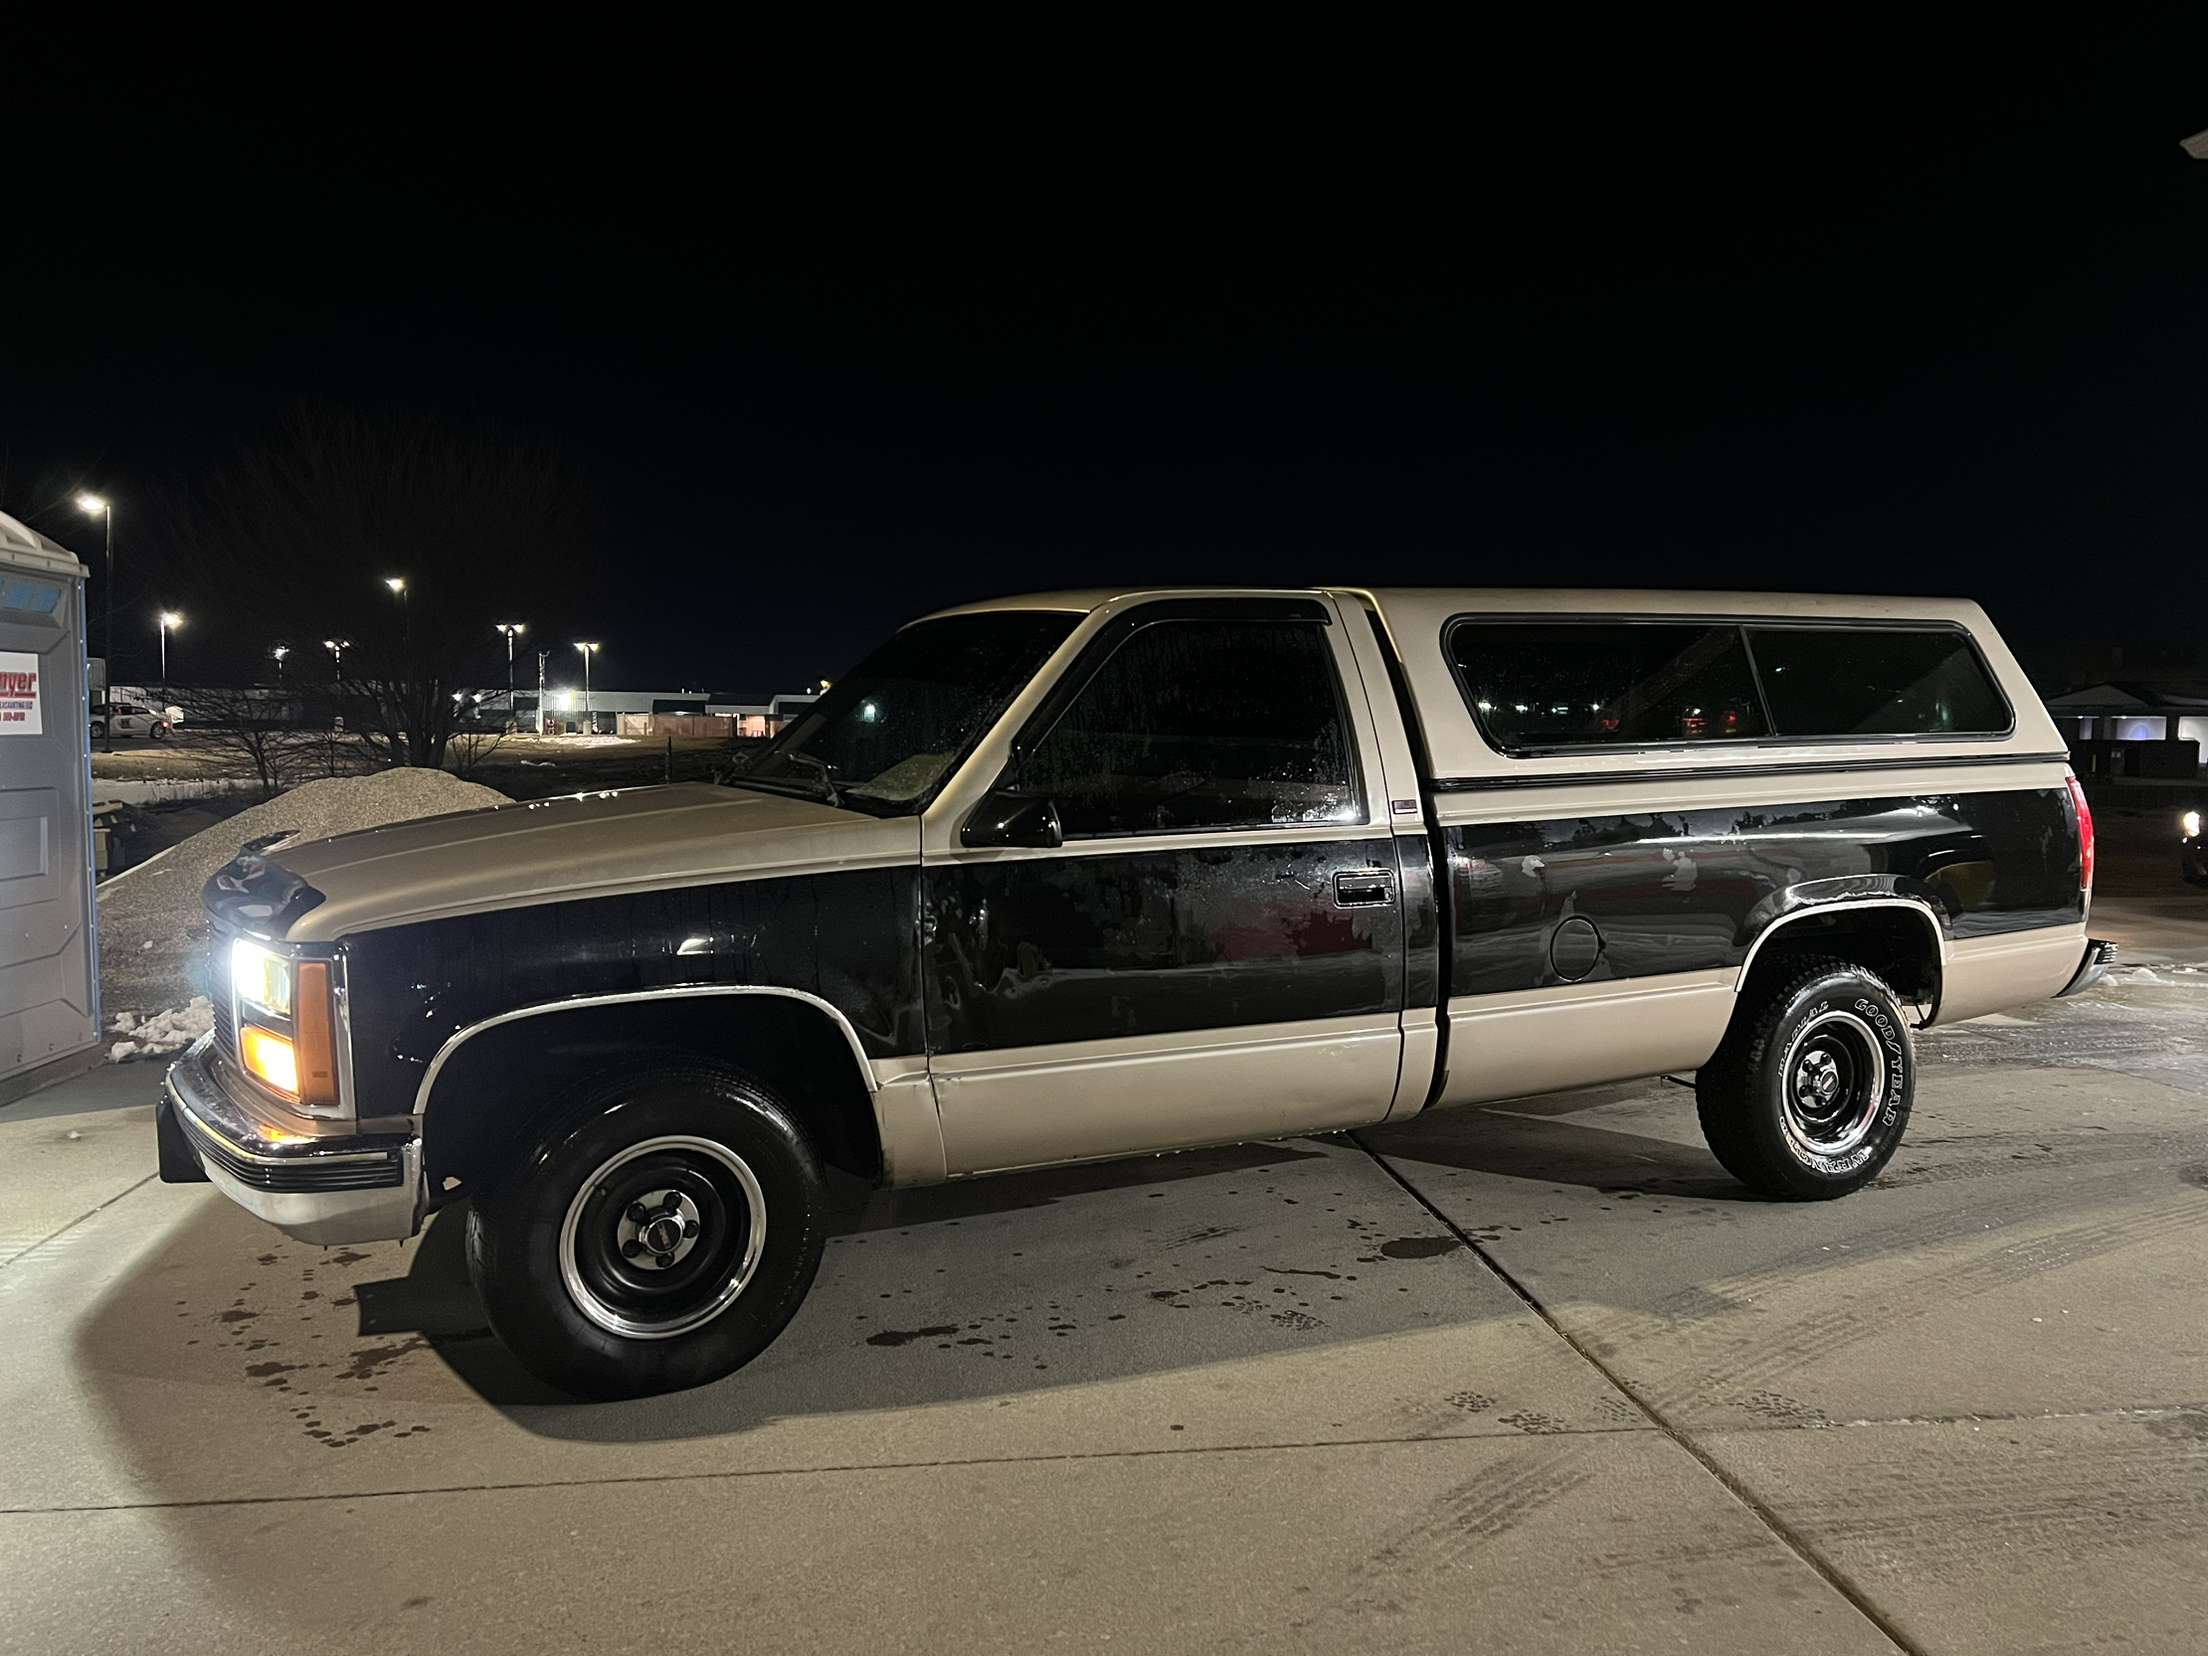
(1536, 1376)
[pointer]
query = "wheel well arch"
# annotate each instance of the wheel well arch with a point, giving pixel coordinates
(1899, 938)
(493, 1087)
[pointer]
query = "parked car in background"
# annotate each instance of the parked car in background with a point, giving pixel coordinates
(1082, 875)
(132, 719)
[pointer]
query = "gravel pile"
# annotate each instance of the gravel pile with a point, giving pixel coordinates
(152, 928)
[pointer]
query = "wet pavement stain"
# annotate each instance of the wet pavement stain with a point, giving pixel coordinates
(370, 1362)
(905, 1336)
(1418, 1247)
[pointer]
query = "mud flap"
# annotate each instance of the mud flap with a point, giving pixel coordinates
(179, 1161)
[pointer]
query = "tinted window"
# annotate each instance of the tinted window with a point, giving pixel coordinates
(1201, 724)
(1536, 684)
(1875, 681)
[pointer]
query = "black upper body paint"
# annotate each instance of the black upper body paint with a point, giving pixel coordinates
(1684, 891)
(848, 938)
(1079, 947)
(968, 956)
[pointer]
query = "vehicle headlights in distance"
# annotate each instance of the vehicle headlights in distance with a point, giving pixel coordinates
(2189, 824)
(260, 977)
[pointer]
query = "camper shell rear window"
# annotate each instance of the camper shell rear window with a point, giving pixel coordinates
(1548, 683)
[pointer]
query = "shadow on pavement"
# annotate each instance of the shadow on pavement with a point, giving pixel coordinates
(437, 1301)
(1520, 1140)
(996, 1290)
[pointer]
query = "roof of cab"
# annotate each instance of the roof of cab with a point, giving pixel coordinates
(1079, 600)
(1439, 603)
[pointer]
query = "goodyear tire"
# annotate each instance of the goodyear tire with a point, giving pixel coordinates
(659, 1238)
(1810, 1094)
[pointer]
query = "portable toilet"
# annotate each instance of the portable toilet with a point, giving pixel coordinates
(49, 950)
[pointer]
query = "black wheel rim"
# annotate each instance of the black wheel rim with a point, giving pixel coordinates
(663, 1237)
(1833, 1085)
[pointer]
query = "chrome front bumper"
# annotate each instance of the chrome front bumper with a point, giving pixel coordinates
(305, 1179)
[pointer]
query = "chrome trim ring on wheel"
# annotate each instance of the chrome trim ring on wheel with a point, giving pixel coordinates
(1832, 1086)
(663, 1237)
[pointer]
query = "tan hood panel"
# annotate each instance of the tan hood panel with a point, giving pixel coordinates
(585, 845)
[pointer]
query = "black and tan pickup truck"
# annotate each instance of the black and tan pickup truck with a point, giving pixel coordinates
(1099, 874)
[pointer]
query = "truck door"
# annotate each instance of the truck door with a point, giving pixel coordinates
(1215, 951)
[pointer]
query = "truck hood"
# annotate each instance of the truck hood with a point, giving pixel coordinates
(577, 846)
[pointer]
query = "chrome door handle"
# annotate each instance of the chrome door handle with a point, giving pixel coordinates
(1362, 887)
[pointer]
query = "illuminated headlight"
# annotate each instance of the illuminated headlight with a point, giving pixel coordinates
(259, 977)
(271, 1058)
(2190, 822)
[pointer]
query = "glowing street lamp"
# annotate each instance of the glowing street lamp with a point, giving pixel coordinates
(337, 648)
(397, 584)
(588, 650)
(170, 621)
(278, 654)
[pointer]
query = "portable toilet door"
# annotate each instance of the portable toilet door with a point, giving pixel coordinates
(49, 950)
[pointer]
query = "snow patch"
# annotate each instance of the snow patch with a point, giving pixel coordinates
(164, 1032)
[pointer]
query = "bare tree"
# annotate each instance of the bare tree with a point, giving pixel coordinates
(309, 529)
(251, 729)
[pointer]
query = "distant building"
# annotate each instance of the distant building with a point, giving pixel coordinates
(2127, 728)
(749, 715)
(2132, 712)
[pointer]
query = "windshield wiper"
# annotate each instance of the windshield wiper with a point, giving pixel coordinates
(821, 767)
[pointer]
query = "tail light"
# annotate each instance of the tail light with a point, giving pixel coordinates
(2085, 834)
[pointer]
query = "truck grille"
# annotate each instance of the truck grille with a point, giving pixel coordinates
(226, 1021)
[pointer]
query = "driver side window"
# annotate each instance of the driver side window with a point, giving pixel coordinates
(1196, 724)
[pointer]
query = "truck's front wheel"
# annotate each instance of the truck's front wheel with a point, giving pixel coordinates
(658, 1238)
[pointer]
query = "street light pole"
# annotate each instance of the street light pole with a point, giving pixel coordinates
(512, 630)
(589, 718)
(397, 584)
(279, 652)
(170, 620)
(102, 508)
(542, 657)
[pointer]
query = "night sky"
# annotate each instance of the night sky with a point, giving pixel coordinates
(832, 344)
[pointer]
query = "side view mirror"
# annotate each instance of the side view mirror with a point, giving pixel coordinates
(1004, 818)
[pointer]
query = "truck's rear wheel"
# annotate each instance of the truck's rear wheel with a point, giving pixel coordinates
(1810, 1094)
(659, 1238)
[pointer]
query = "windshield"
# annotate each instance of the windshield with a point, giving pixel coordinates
(887, 733)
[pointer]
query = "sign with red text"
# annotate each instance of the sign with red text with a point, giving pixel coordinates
(18, 694)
